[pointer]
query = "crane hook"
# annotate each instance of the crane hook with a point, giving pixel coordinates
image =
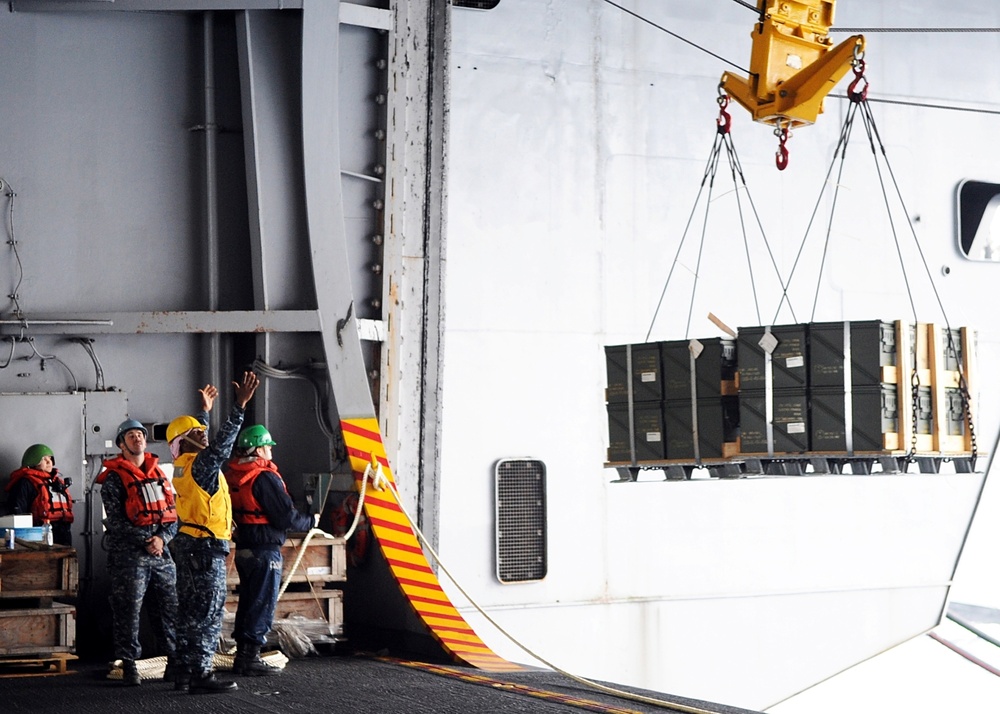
(724, 122)
(781, 157)
(859, 76)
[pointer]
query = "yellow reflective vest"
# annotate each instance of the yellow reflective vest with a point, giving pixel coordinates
(201, 515)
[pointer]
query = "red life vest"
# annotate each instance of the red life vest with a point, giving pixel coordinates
(240, 477)
(149, 497)
(51, 504)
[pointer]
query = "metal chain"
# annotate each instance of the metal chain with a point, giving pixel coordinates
(963, 390)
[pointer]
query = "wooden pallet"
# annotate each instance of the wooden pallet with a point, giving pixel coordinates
(40, 666)
(800, 463)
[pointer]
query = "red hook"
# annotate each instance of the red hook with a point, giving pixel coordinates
(781, 157)
(859, 76)
(724, 122)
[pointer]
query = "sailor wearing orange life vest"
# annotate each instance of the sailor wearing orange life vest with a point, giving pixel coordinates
(38, 489)
(141, 519)
(264, 513)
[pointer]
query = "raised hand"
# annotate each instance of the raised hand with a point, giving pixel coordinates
(246, 388)
(208, 395)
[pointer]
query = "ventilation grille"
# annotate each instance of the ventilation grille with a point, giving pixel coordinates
(520, 494)
(476, 4)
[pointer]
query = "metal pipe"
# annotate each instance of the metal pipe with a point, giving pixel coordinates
(56, 322)
(211, 192)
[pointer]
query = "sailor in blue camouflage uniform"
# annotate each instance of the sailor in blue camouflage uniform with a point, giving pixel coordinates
(202, 543)
(264, 513)
(140, 520)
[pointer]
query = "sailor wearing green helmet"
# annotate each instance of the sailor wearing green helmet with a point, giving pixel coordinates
(38, 489)
(264, 513)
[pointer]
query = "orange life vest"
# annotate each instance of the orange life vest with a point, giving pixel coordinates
(53, 505)
(149, 497)
(241, 476)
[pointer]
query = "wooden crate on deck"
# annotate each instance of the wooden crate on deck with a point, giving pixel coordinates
(42, 571)
(320, 604)
(325, 561)
(310, 593)
(37, 630)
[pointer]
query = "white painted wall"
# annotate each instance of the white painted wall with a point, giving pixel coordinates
(579, 137)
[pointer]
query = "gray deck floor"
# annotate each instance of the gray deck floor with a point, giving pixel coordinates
(345, 684)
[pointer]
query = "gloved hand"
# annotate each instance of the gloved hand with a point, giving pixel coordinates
(315, 520)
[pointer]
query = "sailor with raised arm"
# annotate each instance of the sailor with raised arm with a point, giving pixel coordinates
(204, 509)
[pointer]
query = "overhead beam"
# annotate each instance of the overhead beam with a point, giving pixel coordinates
(151, 5)
(350, 13)
(124, 323)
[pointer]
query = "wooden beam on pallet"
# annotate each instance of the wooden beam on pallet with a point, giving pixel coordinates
(904, 366)
(935, 355)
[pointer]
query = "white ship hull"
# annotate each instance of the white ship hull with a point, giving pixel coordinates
(578, 140)
(743, 592)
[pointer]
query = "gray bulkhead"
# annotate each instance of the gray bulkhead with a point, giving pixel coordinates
(191, 189)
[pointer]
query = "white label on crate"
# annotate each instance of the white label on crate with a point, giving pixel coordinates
(696, 348)
(795, 362)
(648, 376)
(768, 342)
(797, 427)
(318, 570)
(652, 436)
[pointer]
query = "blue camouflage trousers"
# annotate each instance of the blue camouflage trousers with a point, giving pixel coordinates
(201, 595)
(134, 576)
(260, 579)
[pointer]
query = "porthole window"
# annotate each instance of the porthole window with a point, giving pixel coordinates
(979, 220)
(476, 4)
(521, 549)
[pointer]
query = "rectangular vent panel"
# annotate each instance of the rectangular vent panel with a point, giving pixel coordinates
(520, 521)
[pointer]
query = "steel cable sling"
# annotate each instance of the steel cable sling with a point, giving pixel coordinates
(858, 95)
(723, 138)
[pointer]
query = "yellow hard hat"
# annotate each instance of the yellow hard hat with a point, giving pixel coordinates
(182, 425)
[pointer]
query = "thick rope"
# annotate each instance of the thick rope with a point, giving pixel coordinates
(313, 532)
(153, 667)
(380, 481)
(300, 554)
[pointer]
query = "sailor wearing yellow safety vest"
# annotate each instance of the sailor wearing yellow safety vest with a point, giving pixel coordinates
(202, 543)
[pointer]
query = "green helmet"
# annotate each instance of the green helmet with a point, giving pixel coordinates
(254, 436)
(33, 455)
(129, 425)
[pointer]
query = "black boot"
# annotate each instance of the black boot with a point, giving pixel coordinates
(206, 683)
(130, 673)
(182, 678)
(249, 664)
(170, 670)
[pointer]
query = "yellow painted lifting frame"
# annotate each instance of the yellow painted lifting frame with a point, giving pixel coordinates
(792, 65)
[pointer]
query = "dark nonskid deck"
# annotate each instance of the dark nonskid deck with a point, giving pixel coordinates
(343, 684)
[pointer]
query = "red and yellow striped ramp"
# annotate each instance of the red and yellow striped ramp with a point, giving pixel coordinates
(406, 559)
